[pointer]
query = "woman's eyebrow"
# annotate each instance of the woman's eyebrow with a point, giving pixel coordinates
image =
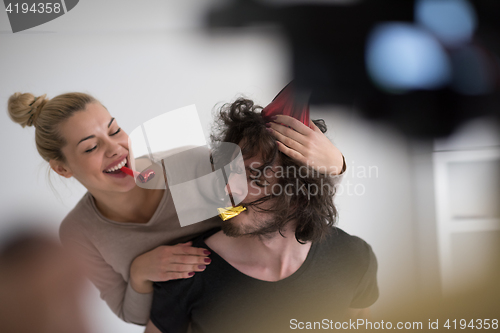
(89, 137)
(93, 136)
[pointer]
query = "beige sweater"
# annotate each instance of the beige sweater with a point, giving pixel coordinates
(109, 248)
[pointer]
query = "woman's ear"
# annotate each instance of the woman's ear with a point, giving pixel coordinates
(60, 168)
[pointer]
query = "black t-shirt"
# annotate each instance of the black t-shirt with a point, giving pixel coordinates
(338, 273)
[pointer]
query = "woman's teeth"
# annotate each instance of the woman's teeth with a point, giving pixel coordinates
(119, 166)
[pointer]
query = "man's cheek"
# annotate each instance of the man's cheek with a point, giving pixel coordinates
(254, 190)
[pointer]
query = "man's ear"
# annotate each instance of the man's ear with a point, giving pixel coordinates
(60, 168)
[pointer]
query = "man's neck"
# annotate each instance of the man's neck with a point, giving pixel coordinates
(271, 258)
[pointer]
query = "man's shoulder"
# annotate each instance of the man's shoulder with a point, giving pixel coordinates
(340, 235)
(199, 241)
(339, 242)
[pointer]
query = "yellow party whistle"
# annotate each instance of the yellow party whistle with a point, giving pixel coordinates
(230, 212)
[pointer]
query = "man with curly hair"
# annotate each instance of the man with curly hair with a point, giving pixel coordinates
(279, 265)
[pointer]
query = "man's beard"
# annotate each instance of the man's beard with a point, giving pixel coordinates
(266, 226)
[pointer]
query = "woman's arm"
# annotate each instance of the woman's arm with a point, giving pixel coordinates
(130, 302)
(151, 328)
(122, 299)
(307, 145)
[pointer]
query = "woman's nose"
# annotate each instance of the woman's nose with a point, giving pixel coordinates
(112, 148)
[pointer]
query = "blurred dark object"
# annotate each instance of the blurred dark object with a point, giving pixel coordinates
(329, 43)
(40, 287)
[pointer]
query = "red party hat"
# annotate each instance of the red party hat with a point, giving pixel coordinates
(290, 103)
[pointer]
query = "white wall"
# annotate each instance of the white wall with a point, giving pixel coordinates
(141, 62)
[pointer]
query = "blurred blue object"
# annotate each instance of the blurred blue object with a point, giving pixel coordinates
(424, 66)
(452, 21)
(403, 57)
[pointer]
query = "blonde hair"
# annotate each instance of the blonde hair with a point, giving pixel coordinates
(46, 115)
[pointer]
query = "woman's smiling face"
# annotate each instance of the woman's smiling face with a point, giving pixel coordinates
(95, 143)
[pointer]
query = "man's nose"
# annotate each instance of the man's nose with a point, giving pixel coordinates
(236, 186)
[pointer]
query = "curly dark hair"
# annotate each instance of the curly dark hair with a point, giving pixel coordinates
(241, 122)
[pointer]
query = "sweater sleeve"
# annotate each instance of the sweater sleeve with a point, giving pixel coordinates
(122, 299)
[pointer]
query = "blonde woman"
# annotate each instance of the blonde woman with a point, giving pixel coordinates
(125, 233)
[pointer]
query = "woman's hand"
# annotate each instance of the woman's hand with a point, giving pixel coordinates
(166, 263)
(307, 145)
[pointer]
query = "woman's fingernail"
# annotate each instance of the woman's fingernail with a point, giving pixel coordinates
(206, 252)
(191, 273)
(202, 266)
(208, 260)
(268, 124)
(274, 117)
(270, 130)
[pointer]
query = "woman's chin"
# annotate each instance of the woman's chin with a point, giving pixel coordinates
(120, 182)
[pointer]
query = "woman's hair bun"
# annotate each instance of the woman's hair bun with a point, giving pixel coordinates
(25, 108)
